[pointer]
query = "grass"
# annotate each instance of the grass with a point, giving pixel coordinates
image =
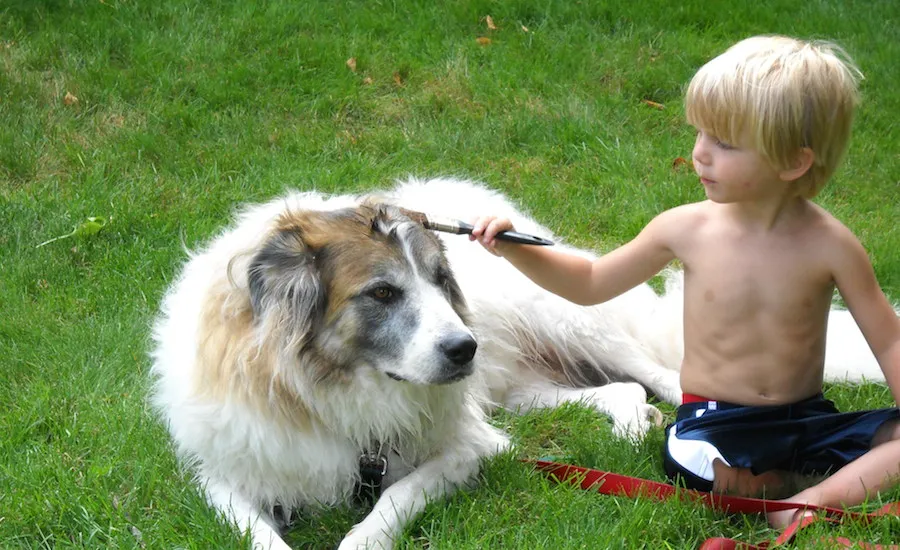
(180, 110)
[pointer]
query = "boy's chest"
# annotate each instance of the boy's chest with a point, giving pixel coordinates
(788, 281)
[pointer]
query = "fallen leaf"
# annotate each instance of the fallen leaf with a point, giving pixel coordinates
(483, 40)
(653, 104)
(91, 227)
(88, 228)
(398, 80)
(352, 64)
(70, 99)
(368, 80)
(490, 23)
(679, 162)
(524, 28)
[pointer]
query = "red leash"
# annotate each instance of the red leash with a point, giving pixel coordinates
(608, 483)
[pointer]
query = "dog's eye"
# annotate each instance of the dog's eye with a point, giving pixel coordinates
(383, 293)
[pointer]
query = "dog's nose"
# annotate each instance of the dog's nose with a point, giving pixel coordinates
(459, 348)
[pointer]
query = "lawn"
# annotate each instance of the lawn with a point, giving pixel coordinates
(158, 119)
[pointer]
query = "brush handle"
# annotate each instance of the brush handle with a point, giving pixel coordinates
(523, 238)
(462, 228)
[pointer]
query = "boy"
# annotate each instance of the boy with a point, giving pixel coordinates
(761, 263)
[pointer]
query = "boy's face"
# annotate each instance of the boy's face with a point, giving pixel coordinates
(734, 173)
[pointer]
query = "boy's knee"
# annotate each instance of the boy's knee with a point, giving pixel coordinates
(889, 431)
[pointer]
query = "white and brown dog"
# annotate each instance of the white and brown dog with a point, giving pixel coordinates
(322, 338)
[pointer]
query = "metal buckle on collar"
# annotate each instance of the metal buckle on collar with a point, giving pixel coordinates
(373, 462)
(372, 469)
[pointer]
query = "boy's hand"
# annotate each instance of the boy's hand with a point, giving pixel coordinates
(485, 230)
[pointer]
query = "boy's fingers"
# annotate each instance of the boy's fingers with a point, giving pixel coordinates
(496, 226)
(480, 224)
(485, 230)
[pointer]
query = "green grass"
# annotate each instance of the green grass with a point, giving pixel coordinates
(186, 109)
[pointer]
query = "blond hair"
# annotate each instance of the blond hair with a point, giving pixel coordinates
(781, 94)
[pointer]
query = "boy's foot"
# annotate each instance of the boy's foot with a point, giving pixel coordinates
(783, 518)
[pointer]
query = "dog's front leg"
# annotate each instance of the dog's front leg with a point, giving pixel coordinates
(436, 478)
(404, 500)
(246, 516)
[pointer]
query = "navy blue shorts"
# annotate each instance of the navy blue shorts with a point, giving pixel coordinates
(808, 437)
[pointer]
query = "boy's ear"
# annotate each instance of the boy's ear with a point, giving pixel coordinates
(802, 163)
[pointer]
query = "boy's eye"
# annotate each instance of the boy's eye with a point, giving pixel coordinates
(718, 142)
(722, 145)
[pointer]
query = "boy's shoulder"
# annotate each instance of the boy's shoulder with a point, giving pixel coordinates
(673, 227)
(834, 238)
(822, 224)
(690, 213)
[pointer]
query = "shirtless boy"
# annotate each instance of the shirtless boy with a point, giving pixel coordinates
(761, 262)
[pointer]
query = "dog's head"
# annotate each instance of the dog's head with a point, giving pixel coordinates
(363, 287)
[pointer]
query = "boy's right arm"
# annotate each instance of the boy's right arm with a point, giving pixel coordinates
(581, 280)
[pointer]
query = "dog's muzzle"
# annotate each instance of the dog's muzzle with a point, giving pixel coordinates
(458, 351)
(459, 348)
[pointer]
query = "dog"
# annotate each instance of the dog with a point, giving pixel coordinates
(322, 338)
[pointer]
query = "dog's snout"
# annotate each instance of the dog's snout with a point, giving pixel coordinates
(459, 348)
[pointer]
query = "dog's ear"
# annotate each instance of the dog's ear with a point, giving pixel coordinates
(283, 274)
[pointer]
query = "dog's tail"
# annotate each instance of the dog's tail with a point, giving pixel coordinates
(847, 355)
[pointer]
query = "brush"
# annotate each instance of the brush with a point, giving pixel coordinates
(458, 227)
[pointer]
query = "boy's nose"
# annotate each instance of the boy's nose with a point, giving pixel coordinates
(700, 154)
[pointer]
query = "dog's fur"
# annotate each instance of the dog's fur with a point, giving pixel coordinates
(320, 328)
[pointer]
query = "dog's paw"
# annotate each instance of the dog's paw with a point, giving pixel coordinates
(631, 415)
(633, 421)
(358, 539)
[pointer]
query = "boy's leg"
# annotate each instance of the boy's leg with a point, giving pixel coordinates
(851, 485)
(773, 484)
(888, 431)
(705, 432)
